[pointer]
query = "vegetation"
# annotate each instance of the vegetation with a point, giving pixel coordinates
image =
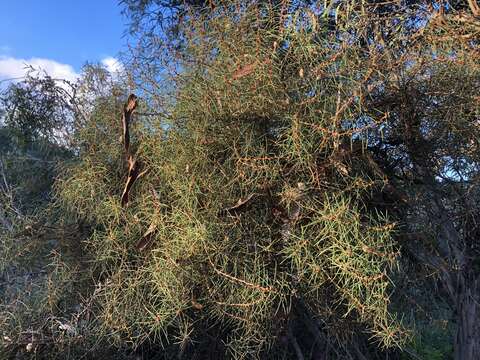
(295, 180)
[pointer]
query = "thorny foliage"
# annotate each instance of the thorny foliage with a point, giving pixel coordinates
(280, 179)
(258, 120)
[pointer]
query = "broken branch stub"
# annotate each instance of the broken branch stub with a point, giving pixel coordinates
(133, 172)
(134, 167)
(128, 110)
(133, 164)
(147, 239)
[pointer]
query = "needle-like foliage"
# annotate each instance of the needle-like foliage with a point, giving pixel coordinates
(284, 161)
(256, 193)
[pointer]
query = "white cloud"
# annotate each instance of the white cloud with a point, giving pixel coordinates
(12, 68)
(113, 65)
(15, 68)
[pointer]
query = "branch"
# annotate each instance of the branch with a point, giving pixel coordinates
(238, 206)
(128, 110)
(147, 238)
(474, 7)
(133, 173)
(241, 281)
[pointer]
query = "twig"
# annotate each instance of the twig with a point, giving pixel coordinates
(238, 206)
(241, 281)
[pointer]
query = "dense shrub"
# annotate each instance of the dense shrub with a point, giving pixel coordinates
(299, 172)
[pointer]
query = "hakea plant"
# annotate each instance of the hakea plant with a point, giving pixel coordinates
(255, 213)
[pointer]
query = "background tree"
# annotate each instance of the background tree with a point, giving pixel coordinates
(45, 279)
(37, 120)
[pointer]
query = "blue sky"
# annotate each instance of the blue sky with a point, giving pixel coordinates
(59, 35)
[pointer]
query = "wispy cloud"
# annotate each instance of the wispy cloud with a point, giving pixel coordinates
(12, 68)
(113, 65)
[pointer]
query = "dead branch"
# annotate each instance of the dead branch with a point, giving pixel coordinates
(147, 238)
(128, 110)
(474, 7)
(133, 173)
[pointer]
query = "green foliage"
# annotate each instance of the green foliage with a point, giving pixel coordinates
(33, 139)
(289, 154)
(270, 138)
(35, 109)
(433, 342)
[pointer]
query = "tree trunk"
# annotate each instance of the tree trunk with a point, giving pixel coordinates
(467, 337)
